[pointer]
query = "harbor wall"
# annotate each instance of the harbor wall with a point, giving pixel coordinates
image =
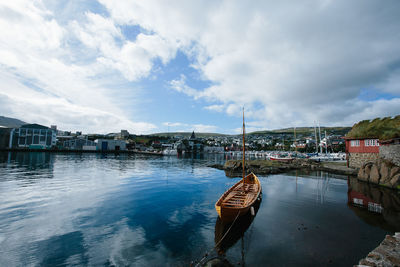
(357, 160)
(391, 153)
(382, 172)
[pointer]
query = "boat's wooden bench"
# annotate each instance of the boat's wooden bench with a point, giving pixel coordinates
(240, 195)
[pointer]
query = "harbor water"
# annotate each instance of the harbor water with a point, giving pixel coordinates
(138, 210)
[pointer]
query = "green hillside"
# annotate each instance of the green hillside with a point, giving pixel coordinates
(382, 128)
(187, 134)
(305, 131)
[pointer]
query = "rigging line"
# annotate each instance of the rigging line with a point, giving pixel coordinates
(216, 245)
(222, 238)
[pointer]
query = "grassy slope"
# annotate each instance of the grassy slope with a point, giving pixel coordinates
(187, 134)
(306, 130)
(299, 130)
(382, 128)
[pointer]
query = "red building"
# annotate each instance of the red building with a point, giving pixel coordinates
(361, 150)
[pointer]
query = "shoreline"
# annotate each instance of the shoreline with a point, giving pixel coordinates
(75, 151)
(387, 253)
(233, 168)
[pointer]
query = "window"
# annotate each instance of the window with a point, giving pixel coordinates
(355, 143)
(21, 141)
(357, 201)
(375, 207)
(371, 142)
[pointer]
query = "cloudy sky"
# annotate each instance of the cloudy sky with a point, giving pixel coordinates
(149, 66)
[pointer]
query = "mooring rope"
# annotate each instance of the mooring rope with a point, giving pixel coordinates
(216, 245)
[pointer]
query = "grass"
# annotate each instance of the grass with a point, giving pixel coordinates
(382, 128)
(304, 131)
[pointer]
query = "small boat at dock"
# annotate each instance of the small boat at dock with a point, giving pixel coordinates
(281, 158)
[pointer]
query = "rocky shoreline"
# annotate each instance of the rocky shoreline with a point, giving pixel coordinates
(233, 168)
(386, 254)
(381, 172)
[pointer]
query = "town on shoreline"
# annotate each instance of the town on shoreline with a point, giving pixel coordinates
(370, 149)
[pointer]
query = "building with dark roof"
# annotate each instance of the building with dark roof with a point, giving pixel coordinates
(33, 136)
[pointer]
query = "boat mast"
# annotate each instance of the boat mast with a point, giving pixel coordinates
(319, 129)
(316, 138)
(244, 150)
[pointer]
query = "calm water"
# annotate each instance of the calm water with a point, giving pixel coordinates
(65, 209)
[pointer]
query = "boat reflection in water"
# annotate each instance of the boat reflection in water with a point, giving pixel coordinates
(227, 234)
(374, 204)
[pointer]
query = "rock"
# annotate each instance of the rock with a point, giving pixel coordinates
(361, 174)
(384, 173)
(216, 166)
(367, 170)
(374, 175)
(395, 181)
(386, 254)
(394, 171)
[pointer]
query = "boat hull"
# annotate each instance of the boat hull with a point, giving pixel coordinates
(237, 200)
(281, 159)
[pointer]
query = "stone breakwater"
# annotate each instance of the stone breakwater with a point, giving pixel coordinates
(233, 168)
(386, 254)
(380, 172)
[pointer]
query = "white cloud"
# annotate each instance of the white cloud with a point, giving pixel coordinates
(290, 63)
(181, 86)
(217, 108)
(45, 78)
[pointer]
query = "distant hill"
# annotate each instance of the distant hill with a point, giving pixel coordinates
(305, 130)
(187, 134)
(299, 130)
(10, 122)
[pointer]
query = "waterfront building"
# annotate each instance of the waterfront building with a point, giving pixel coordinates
(361, 150)
(124, 134)
(194, 144)
(109, 144)
(4, 137)
(363, 142)
(79, 144)
(32, 136)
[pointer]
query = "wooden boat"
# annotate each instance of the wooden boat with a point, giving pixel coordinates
(238, 199)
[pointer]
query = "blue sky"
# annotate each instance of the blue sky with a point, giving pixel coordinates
(149, 66)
